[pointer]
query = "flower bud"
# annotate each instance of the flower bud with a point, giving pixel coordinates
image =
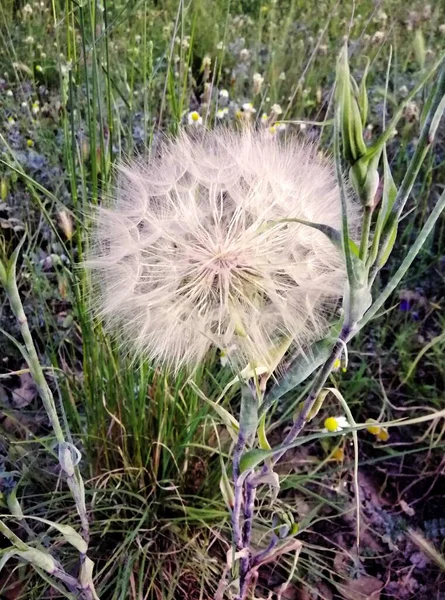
(347, 99)
(365, 178)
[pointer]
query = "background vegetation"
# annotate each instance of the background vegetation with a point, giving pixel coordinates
(85, 83)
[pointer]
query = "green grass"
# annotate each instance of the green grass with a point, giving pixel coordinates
(108, 78)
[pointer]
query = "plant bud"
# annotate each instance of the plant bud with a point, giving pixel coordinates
(365, 178)
(347, 99)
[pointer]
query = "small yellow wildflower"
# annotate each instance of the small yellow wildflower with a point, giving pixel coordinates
(375, 429)
(383, 435)
(29, 143)
(338, 454)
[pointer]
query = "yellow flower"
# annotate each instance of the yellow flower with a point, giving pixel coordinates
(383, 435)
(375, 429)
(338, 454)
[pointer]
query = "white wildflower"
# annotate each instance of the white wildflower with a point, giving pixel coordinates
(335, 424)
(222, 112)
(195, 249)
(276, 109)
(194, 118)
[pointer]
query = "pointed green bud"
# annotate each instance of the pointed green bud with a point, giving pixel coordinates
(365, 178)
(347, 94)
(3, 189)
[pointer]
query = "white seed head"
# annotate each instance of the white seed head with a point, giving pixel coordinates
(196, 249)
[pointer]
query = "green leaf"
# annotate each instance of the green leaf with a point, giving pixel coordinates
(11, 267)
(18, 345)
(363, 94)
(350, 118)
(317, 405)
(389, 246)
(14, 504)
(38, 558)
(248, 420)
(86, 577)
(226, 487)
(436, 119)
(69, 534)
(253, 458)
(333, 234)
(300, 369)
(262, 439)
(229, 420)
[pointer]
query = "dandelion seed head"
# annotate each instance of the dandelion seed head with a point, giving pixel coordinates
(195, 249)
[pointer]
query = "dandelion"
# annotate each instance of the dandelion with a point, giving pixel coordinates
(335, 424)
(197, 250)
(194, 118)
